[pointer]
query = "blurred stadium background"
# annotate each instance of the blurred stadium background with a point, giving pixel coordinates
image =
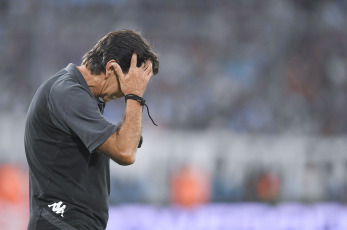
(251, 102)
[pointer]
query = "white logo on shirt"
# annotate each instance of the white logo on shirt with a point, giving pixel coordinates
(57, 208)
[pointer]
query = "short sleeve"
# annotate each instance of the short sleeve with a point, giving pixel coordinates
(75, 111)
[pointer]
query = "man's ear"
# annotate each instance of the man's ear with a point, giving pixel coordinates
(110, 68)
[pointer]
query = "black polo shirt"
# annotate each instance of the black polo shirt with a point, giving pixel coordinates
(69, 178)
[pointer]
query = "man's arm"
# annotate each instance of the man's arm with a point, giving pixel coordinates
(122, 145)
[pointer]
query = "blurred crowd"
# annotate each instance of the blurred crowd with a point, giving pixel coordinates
(274, 66)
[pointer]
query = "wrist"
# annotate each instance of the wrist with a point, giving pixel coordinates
(133, 93)
(133, 103)
(140, 101)
(135, 97)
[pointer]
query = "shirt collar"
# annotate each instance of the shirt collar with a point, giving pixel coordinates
(72, 68)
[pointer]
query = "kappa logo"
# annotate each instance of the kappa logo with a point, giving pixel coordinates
(57, 208)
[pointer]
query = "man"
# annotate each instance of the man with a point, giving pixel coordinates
(68, 142)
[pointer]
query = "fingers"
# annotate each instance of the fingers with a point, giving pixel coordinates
(118, 70)
(149, 71)
(150, 75)
(146, 66)
(133, 60)
(137, 78)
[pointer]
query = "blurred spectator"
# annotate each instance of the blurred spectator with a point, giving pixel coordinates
(268, 187)
(224, 189)
(12, 186)
(14, 196)
(190, 187)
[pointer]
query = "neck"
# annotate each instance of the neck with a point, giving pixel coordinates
(94, 82)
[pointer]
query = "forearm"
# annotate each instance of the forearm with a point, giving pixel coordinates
(122, 145)
(129, 132)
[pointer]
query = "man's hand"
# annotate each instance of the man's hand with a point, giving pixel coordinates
(136, 80)
(122, 145)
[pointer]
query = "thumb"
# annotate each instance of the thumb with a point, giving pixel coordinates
(118, 70)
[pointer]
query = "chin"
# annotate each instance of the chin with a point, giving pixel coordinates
(106, 99)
